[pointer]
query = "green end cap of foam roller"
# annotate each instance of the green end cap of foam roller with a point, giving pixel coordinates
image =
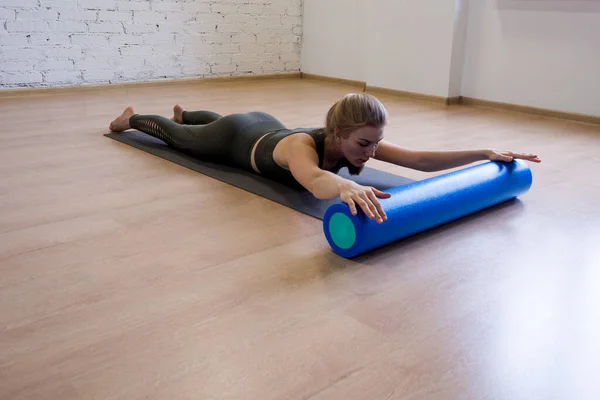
(341, 230)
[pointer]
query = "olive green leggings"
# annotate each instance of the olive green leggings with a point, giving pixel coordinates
(205, 134)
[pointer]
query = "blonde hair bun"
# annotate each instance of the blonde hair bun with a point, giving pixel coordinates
(353, 111)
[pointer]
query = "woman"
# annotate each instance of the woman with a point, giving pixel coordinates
(257, 141)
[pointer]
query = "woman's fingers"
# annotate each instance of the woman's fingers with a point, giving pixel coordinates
(530, 157)
(366, 199)
(382, 216)
(366, 206)
(509, 156)
(373, 210)
(381, 195)
(352, 206)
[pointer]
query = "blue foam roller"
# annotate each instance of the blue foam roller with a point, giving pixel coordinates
(422, 205)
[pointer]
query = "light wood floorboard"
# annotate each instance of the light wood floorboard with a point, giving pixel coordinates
(124, 276)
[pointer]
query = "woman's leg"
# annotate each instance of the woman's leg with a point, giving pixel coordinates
(199, 117)
(228, 139)
(174, 134)
(181, 116)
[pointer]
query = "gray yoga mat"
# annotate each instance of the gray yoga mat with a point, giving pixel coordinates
(297, 199)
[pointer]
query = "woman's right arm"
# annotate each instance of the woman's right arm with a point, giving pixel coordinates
(303, 162)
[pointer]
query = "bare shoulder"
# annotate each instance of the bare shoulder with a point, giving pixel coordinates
(302, 138)
(301, 159)
(296, 149)
(298, 141)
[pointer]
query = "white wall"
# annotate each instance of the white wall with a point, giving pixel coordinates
(457, 61)
(534, 52)
(333, 42)
(403, 45)
(540, 53)
(67, 42)
(409, 45)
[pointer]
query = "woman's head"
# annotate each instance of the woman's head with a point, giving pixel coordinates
(355, 126)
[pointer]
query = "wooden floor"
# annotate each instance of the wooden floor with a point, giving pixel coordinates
(124, 276)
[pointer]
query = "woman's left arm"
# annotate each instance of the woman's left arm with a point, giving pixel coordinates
(430, 161)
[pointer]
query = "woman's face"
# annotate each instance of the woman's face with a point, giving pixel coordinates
(360, 145)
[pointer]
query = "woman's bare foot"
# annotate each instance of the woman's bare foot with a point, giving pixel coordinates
(178, 114)
(121, 123)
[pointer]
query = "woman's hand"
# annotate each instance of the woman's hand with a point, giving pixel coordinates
(366, 198)
(508, 156)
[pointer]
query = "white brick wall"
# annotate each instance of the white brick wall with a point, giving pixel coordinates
(74, 42)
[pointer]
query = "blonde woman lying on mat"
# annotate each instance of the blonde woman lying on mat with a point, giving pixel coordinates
(256, 141)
